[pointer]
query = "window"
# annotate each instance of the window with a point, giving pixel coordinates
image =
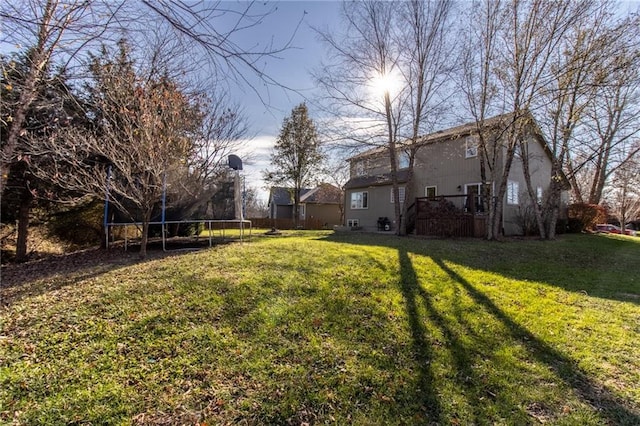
(353, 222)
(473, 201)
(400, 194)
(539, 194)
(430, 191)
(302, 210)
(403, 160)
(359, 168)
(359, 200)
(471, 147)
(512, 192)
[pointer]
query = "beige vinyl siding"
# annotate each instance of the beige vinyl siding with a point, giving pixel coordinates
(540, 169)
(445, 166)
(328, 214)
(371, 166)
(378, 206)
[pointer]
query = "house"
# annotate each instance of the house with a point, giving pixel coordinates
(321, 205)
(446, 165)
(280, 202)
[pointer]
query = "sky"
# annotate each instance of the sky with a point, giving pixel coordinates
(289, 21)
(292, 69)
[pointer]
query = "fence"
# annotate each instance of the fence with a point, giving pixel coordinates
(450, 216)
(288, 223)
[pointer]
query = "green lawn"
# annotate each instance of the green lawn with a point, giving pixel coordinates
(323, 328)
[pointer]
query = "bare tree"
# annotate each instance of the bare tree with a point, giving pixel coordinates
(518, 41)
(480, 87)
(221, 133)
(623, 199)
(424, 30)
(614, 117)
(337, 173)
(208, 33)
(254, 205)
(59, 33)
(143, 135)
(585, 66)
(401, 45)
(49, 109)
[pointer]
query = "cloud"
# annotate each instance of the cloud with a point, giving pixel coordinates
(256, 157)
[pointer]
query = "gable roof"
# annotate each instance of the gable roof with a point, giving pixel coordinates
(281, 196)
(499, 121)
(441, 135)
(324, 193)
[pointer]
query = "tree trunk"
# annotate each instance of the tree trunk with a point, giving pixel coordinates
(296, 208)
(532, 193)
(552, 208)
(600, 179)
(145, 234)
(496, 220)
(408, 195)
(23, 225)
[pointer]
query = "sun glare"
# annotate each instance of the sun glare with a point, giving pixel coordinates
(385, 83)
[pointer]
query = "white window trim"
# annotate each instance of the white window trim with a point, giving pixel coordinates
(401, 194)
(513, 188)
(435, 190)
(539, 194)
(476, 184)
(353, 222)
(470, 147)
(362, 207)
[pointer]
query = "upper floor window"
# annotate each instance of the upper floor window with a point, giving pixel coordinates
(512, 192)
(471, 147)
(517, 151)
(359, 168)
(359, 200)
(400, 194)
(539, 194)
(403, 160)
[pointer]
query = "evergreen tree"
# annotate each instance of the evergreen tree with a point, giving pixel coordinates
(297, 156)
(52, 107)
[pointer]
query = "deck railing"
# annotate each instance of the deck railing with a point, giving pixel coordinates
(450, 216)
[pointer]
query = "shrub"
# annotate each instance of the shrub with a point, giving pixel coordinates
(526, 218)
(81, 226)
(562, 226)
(583, 216)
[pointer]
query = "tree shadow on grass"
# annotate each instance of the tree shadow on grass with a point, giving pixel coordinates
(589, 391)
(595, 265)
(422, 313)
(416, 297)
(421, 344)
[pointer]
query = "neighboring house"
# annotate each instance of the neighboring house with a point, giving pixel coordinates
(321, 204)
(446, 164)
(280, 202)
